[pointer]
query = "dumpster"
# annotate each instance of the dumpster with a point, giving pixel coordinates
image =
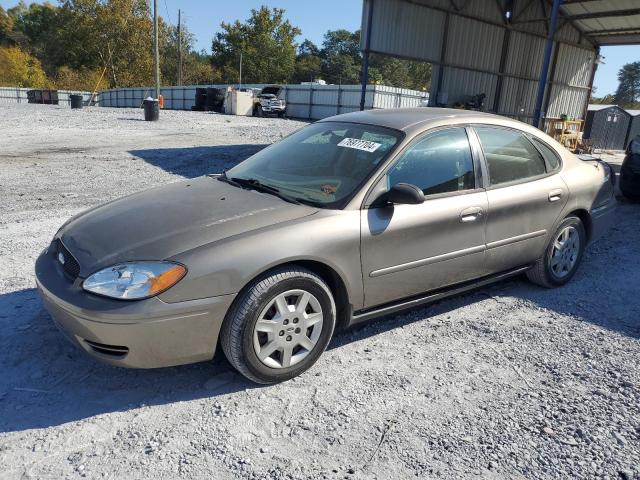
(151, 109)
(76, 101)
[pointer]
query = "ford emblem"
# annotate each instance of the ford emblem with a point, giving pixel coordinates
(61, 258)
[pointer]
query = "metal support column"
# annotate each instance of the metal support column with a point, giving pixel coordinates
(552, 76)
(365, 54)
(542, 83)
(443, 56)
(591, 79)
(503, 62)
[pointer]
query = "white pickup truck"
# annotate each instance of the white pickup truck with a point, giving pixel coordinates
(270, 101)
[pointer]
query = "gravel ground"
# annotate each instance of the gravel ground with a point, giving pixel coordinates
(510, 381)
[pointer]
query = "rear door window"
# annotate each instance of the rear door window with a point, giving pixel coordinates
(510, 156)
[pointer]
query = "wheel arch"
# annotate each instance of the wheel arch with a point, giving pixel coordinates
(336, 285)
(585, 218)
(329, 275)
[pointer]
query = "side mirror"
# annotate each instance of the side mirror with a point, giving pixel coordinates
(405, 194)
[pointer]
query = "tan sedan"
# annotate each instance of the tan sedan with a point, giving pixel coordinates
(350, 218)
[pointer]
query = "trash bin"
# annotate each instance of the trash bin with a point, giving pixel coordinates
(151, 110)
(76, 101)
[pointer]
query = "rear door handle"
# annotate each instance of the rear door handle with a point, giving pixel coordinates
(555, 195)
(470, 214)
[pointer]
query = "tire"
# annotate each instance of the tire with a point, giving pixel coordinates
(244, 341)
(558, 266)
(281, 115)
(259, 112)
(627, 188)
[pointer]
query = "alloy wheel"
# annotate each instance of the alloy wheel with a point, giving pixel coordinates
(565, 252)
(288, 329)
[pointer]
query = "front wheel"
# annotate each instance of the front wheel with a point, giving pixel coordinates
(562, 255)
(279, 325)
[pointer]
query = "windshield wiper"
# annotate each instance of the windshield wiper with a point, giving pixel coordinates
(223, 178)
(261, 187)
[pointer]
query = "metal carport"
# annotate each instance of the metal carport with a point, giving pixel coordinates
(532, 58)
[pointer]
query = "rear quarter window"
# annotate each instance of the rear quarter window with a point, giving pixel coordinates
(550, 156)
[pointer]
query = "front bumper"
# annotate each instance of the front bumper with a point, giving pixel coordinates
(139, 334)
(602, 218)
(273, 109)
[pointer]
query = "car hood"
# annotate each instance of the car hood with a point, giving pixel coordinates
(162, 222)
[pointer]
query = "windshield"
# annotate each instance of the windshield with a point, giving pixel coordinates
(323, 164)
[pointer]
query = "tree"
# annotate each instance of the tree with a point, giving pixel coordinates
(169, 50)
(341, 59)
(628, 92)
(308, 63)
(401, 73)
(308, 68)
(80, 79)
(6, 25)
(196, 67)
(38, 29)
(116, 34)
(20, 69)
(307, 48)
(342, 42)
(338, 68)
(606, 100)
(266, 41)
(342, 63)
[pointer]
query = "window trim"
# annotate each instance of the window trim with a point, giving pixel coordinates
(533, 139)
(475, 158)
(489, 185)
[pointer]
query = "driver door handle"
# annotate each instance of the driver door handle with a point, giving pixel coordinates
(470, 214)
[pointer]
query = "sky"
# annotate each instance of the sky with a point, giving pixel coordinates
(314, 18)
(606, 80)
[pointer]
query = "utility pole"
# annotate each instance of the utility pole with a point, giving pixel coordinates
(179, 50)
(240, 86)
(156, 54)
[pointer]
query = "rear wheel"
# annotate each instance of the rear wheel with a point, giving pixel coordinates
(562, 255)
(279, 325)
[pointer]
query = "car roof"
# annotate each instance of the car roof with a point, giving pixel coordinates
(409, 118)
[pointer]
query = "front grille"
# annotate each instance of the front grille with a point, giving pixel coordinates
(69, 264)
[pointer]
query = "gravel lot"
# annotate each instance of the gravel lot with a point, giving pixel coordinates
(511, 381)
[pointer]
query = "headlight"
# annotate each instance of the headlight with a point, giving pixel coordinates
(134, 280)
